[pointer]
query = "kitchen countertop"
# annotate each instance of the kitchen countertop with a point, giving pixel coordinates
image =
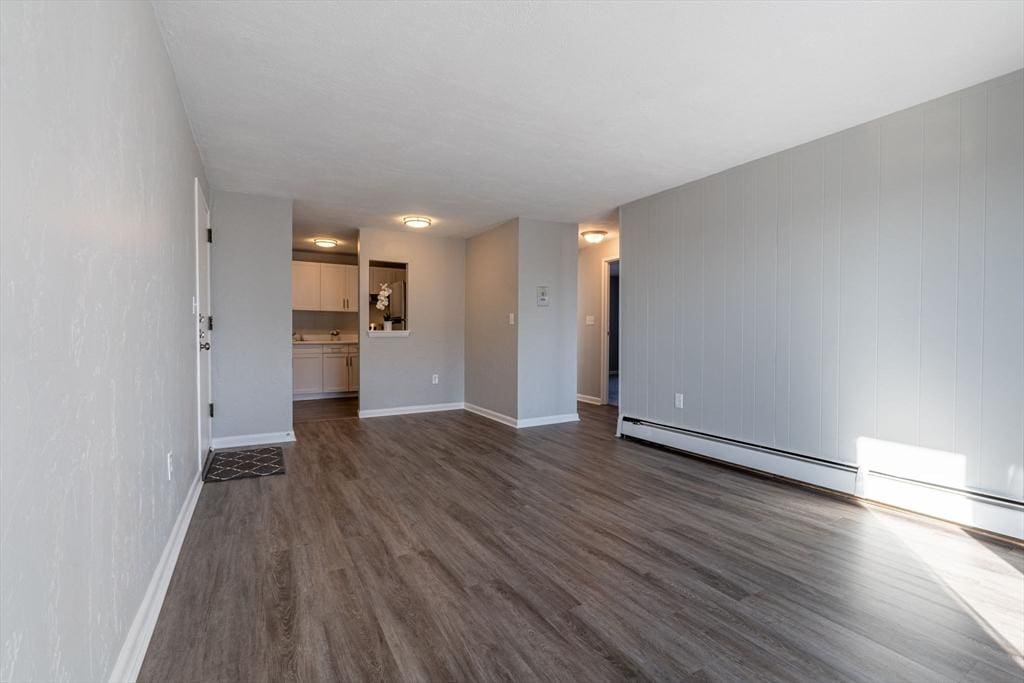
(343, 339)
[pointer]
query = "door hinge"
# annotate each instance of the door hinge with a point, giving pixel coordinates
(209, 235)
(211, 410)
(209, 322)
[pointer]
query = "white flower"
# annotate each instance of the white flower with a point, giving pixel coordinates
(383, 297)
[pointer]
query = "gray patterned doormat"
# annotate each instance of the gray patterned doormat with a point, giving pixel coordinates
(245, 462)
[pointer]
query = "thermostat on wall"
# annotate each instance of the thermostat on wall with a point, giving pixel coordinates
(542, 295)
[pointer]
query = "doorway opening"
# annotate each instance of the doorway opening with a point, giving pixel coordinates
(327, 302)
(611, 339)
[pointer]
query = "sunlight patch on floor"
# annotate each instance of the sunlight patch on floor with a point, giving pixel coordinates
(978, 579)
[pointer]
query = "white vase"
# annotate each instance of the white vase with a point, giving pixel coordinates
(387, 325)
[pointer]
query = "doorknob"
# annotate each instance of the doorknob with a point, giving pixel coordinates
(204, 346)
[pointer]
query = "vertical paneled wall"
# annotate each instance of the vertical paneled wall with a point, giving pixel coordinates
(868, 284)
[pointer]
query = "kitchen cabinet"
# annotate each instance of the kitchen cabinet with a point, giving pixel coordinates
(339, 287)
(306, 286)
(327, 368)
(335, 371)
(307, 370)
(325, 287)
(353, 371)
(351, 288)
(332, 287)
(379, 275)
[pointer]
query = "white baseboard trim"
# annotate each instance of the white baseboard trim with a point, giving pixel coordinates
(408, 410)
(492, 415)
(524, 423)
(943, 503)
(136, 642)
(547, 420)
(252, 440)
(596, 400)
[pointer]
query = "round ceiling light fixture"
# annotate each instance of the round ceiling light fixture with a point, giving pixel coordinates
(416, 222)
(325, 242)
(595, 236)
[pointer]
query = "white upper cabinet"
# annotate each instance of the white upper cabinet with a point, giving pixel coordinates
(306, 286)
(351, 288)
(333, 295)
(325, 287)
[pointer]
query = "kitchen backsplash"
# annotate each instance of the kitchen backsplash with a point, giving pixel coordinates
(322, 322)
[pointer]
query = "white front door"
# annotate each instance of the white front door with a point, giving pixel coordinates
(204, 324)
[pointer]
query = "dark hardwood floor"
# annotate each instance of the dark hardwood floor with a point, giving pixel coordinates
(324, 409)
(448, 547)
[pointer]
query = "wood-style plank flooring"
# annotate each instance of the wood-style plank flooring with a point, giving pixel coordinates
(448, 547)
(324, 409)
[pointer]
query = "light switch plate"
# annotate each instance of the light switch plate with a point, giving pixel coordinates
(590, 320)
(542, 295)
(511, 318)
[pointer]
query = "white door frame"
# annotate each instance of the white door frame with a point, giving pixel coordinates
(606, 325)
(202, 211)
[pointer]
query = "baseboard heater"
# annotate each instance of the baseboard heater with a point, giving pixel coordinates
(991, 512)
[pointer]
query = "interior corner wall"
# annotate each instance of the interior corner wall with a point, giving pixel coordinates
(589, 286)
(491, 342)
(546, 348)
(97, 335)
(395, 372)
(859, 298)
(251, 285)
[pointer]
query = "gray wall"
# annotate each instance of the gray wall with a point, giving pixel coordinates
(491, 294)
(97, 254)
(547, 334)
(588, 278)
(396, 372)
(868, 284)
(252, 306)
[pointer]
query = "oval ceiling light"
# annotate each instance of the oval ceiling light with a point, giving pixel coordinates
(595, 236)
(416, 222)
(325, 242)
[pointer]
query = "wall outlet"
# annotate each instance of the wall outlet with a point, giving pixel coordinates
(511, 318)
(590, 320)
(434, 379)
(679, 401)
(170, 465)
(542, 296)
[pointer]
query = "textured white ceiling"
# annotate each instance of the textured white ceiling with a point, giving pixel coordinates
(310, 220)
(476, 112)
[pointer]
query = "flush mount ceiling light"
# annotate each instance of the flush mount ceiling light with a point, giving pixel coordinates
(325, 242)
(416, 222)
(595, 236)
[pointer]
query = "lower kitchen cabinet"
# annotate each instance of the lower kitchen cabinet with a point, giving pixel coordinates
(324, 369)
(335, 372)
(307, 374)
